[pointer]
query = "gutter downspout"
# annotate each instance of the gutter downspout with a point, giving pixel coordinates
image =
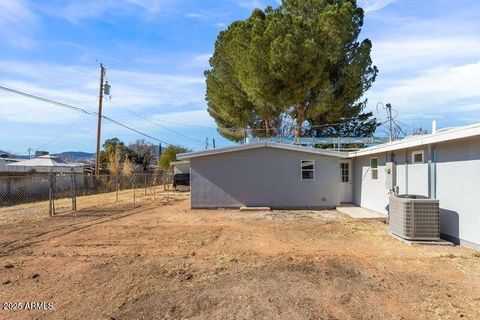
(406, 171)
(432, 172)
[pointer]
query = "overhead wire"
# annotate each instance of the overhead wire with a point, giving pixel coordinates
(82, 110)
(16, 113)
(31, 96)
(61, 134)
(157, 124)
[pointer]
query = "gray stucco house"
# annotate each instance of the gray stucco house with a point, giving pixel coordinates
(444, 165)
(264, 174)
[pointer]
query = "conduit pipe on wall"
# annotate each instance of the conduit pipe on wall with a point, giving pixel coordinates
(432, 171)
(406, 171)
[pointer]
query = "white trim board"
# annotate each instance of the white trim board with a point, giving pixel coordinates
(416, 141)
(248, 146)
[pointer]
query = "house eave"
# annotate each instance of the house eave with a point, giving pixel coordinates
(422, 140)
(190, 155)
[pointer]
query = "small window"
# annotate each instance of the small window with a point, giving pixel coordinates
(374, 168)
(308, 169)
(417, 156)
(344, 174)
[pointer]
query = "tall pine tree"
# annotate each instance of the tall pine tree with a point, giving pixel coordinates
(302, 60)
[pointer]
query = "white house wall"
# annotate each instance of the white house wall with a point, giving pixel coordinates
(412, 178)
(457, 184)
(369, 193)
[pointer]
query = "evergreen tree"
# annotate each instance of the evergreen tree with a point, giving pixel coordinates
(302, 59)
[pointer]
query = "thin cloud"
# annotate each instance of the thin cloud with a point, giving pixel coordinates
(441, 89)
(199, 118)
(76, 11)
(221, 25)
(76, 85)
(399, 54)
(374, 5)
(197, 15)
(251, 4)
(17, 23)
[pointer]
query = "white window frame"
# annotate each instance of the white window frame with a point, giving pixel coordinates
(414, 153)
(301, 170)
(372, 169)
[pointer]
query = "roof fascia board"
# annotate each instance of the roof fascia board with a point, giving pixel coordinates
(185, 156)
(189, 155)
(438, 137)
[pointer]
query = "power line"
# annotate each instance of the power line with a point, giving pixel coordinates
(78, 109)
(31, 96)
(134, 130)
(60, 135)
(157, 124)
(16, 113)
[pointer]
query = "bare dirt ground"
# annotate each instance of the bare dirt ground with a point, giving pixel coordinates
(109, 201)
(169, 262)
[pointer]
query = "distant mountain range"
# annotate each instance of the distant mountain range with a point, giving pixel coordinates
(5, 154)
(72, 156)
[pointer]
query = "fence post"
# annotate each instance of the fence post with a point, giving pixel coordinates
(74, 193)
(167, 193)
(116, 189)
(51, 196)
(154, 184)
(164, 181)
(134, 178)
(145, 183)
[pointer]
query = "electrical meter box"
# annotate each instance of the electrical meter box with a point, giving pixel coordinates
(391, 174)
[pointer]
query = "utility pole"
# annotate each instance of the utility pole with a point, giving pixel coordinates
(99, 125)
(390, 120)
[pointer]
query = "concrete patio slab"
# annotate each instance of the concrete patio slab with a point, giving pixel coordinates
(357, 212)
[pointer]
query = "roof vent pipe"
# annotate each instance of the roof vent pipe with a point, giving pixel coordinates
(434, 126)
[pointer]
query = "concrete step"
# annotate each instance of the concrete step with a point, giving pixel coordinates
(255, 209)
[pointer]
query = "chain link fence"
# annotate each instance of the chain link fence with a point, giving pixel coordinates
(33, 196)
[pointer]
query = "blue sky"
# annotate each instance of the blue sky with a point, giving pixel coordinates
(428, 53)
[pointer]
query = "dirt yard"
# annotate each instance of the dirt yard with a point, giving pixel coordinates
(169, 262)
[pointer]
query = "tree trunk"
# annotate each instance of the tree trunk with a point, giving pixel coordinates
(300, 118)
(267, 128)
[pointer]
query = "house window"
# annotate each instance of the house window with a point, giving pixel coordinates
(344, 174)
(374, 168)
(417, 156)
(308, 169)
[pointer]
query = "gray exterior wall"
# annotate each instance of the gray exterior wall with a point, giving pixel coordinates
(263, 177)
(367, 192)
(457, 180)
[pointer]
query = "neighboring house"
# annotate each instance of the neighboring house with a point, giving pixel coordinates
(444, 165)
(4, 161)
(44, 164)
